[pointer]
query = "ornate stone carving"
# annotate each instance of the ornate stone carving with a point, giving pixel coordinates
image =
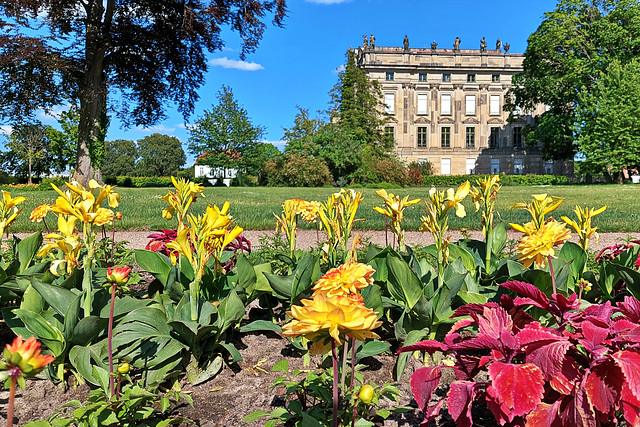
(446, 120)
(458, 86)
(422, 120)
(484, 87)
(495, 121)
(471, 121)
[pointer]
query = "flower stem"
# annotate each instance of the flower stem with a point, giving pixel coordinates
(334, 356)
(353, 380)
(553, 276)
(110, 338)
(12, 400)
(343, 377)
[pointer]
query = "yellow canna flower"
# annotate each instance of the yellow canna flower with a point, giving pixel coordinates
(583, 225)
(180, 200)
(38, 214)
(537, 244)
(454, 199)
(394, 210)
(8, 211)
(540, 206)
(326, 318)
(345, 279)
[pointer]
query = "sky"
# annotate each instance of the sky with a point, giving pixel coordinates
(298, 65)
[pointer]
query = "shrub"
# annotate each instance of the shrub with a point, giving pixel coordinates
(293, 170)
(45, 184)
(390, 170)
(455, 180)
(418, 171)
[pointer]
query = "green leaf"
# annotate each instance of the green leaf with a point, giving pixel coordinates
(233, 351)
(198, 376)
(254, 416)
(412, 338)
(282, 286)
(472, 297)
(88, 329)
(281, 366)
(458, 252)
(576, 256)
(372, 348)
(43, 330)
(631, 279)
(32, 300)
(58, 298)
(71, 318)
(404, 285)
(122, 306)
(261, 325)
(27, 249)
(153, 263)
(231, 310)
(498, 238)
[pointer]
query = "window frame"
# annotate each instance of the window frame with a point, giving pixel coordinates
(493, 112)
(471, 78)
(470, 137)
(390, 76)
(467, 103)
(495, 78)
(445, 134)
(422, 77)
(390, 108)
(422, 137)
(517, 137)
(446, 77)
(426, 104)
(442, 103)
(496, 143)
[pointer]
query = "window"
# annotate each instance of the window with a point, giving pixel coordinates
(389, 132)
(495, 78)
(470, 102)
(548, 167)
(389, 103)
(446, 77)
(422, 104)
(446, 104)
(517, 137)
(470, 166)
(471, 137)
(494, 136)
(445, 166)
(422, 77)
(389, 77)
(494, 105)
(517, 165)
(471, 78)
(495, 166)
(445, 137)
(422, 137)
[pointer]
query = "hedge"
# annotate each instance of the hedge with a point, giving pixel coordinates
(453, 180)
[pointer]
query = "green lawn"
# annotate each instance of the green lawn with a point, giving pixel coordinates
(253, 207)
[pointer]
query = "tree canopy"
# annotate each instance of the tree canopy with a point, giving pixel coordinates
(120, 158)
(28, 151)
(159, 155)
(225, 137)
(571, 49)
(151, 52)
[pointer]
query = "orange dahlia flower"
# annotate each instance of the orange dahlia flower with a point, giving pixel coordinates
(345, 279)
(22, 359)
(39, 213)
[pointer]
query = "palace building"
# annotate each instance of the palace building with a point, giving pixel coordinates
(445, 106)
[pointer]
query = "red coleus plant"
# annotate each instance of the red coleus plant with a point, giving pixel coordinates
(583, 371)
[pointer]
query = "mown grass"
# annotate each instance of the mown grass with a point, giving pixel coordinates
(253, 207)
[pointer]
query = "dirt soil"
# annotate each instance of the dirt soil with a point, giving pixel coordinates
(244, 387)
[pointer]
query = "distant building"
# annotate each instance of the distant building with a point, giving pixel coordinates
(214, 173)
(445, 106)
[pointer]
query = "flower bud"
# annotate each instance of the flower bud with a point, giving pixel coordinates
(124, 368)
(366, 394)
(118, 275)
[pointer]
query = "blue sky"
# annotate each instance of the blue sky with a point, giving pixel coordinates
(297, 65)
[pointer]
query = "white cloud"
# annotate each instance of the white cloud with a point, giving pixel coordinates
(234, 63)
(278, 144)
(157, 129)
(6, 130)
(327, 1)
(340, 69)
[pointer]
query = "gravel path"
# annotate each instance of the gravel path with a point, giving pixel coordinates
(308, 238)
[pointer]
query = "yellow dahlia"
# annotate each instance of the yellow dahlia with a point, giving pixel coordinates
(38, 214)
(103, 217)
(345, 279)
(325, 318)
(309, 211)
(538, 244)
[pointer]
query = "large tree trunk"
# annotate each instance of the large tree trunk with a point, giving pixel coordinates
(93, 91)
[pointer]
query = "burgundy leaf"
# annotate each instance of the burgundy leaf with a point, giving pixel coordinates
(604, 386)
(520, 387)
(630, 308)
(481, 342)
(629, 362)
(519, 301)
(536, 332)
(544, 415)
(544, 349)
(528, 290)
(467, 367)
(424, 381)
(502, 413)
(593, 334)
(576, 410)
(472, 309)
(565, 381)
(432, 413)
(565, 304)
(631, 336)
(459, 399)
(630, 406)
(493, 321)
(430, 346)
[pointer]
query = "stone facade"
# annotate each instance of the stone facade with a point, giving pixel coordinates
(445, 106)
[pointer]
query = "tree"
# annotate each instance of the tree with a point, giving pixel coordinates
(64, 142)
(300, 137)
(358, 107)
(608, 120)
(571, 48)
(225, 137)
(149, 51)
(29, 149)
(120, 158)
(160, 155)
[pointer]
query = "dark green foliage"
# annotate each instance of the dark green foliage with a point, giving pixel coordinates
(418, 171)
(120, 158)
(160, 155)
(443, 180)
(565, 57)
(293, 170)
(28, 154)
(225, 137)
(63, 143)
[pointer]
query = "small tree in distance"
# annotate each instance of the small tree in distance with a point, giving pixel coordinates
(160, 155)
(225, 137)
(120, 158)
